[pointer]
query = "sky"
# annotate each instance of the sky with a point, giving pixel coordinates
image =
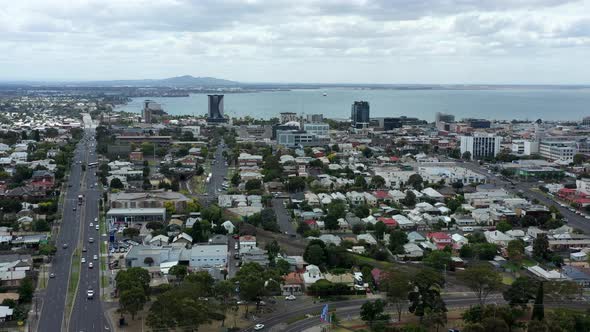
(305, 41)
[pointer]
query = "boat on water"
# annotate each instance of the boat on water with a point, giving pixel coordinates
(325, 94)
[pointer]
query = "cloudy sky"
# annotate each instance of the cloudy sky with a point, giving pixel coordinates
(340, 41)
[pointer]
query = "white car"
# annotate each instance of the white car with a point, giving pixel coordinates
(96, 227)
(258, 327)
(90, 265)
(290, 298)
(90, 293)
(83, 260)
(95, 257)
(91, 225)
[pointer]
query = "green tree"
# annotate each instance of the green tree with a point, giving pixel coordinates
(438, 260)
(132, 300)
(26, 290)
(47, 249)
(410, 199)
(397, 239)
(377, 181)
(235, 179)
(466, 155)
(253, 184)
(380, 229)
(116, 184)
(131, 232)
(373, 311)
(179, 271)
(482, 279)
(315, 254)
(425, 293)
(295, 183)
(579, 158)
(503, 226)
(149, 261)
(415, 181)
(397, 287)
(515, 250)
(521, 292)
(541, 246)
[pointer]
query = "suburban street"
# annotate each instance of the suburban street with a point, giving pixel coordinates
(283, 216)
(218, 172)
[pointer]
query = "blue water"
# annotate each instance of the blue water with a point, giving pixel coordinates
(502, 104)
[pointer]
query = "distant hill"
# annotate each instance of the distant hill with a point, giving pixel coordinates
(179, 81)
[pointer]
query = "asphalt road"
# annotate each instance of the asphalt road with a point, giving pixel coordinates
(87, 314)
(53, 301)
(218, 172)
(574, 220)
(343, 309)
(283, 216)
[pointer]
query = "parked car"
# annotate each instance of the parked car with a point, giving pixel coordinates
(290, 298)
(258, 327)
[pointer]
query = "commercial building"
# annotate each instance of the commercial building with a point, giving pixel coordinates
(315, 118)
(478, 123)
(151, 111)
(390, 123)
(481, 145)
(360, 114)
(525, 147)
(208, 256)
(320, 129)
(558, 149)
(442, 117)
(299, 138)
(216, 109)
(129, 216)
(288, 117)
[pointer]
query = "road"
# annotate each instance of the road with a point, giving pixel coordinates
(218, 172)
(574, 220)
(87, 314)
(283, 216)
(343, 308)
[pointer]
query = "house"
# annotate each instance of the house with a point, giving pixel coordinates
(440, 239)
(459, 241)
(330, 239)
(43, 180)
(183, 239)
(389, 222)
(412, 250)
(368, 238)
(403, 221)
(293, 284)
(255, 255)
(497, 237)
(415, 237)
(229, 226)
(5, 313)
(219, 239)
(159, 240)
(247, 242)
(149, 199)
(344, 278)
(311, 275)
(578, 256)
(578, 275)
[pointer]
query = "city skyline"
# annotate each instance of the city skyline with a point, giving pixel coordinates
(470, 42)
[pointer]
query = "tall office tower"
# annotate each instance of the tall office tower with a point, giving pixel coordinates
(442, 117)
(216, 109)
(360, 114)
(150, 108)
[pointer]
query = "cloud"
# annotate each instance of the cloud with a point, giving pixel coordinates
(285, 40)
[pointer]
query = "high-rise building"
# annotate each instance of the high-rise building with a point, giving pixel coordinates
(586, 121)
(360, 115)
(481, 145)
(216, 109)
(151, 111)
(315, 118)
(288, 117)
(442, 117)
(478, 123)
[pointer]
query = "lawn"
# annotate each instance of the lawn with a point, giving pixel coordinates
(73, 281)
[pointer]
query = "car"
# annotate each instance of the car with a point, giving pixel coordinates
(52, 275)
(95, 257)
(258, 327)
(74, 208)
(90, 265)
(290, 298)
(83, 260)
(95, 219)
(236, 236)
(238, 264)
(236, 256)
(91, 240)
(65, 246)
(236, 246)
(90, 294)
(96, 227)
(84, 249)
(91, 225)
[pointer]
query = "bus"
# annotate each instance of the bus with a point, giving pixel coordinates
(92, 164)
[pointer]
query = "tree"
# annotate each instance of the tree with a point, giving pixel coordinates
(410, 199)
(179, 271)
(380, 229)
(315, 254)
(235, 179)
(131, 232)
(26, 290)
(47, 249)
(147, 148)
(425, 293)
(397, 239)
(117, 184)
(503, 226)
(515, 250)
(397, 287)
(132, 301)
(579, 158)
(521, 292)
(377, 181)
(438, 260)
(482, 279)
(434, 318)
(295, 183)
(373, 311)
(253, 184)
(41, 225)
(362, 211)
(360, 182)
(148, 261)
(539, 308)
(466, 155)
(541, 246)
(415, 180)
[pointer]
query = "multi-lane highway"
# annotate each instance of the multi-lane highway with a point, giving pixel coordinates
(75, 230)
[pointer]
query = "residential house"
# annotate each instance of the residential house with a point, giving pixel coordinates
(293, 284)
(497, 237)
(247, 242)
(440, 239)
(311, 275)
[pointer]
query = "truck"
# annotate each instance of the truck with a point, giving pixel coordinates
(80, 199)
